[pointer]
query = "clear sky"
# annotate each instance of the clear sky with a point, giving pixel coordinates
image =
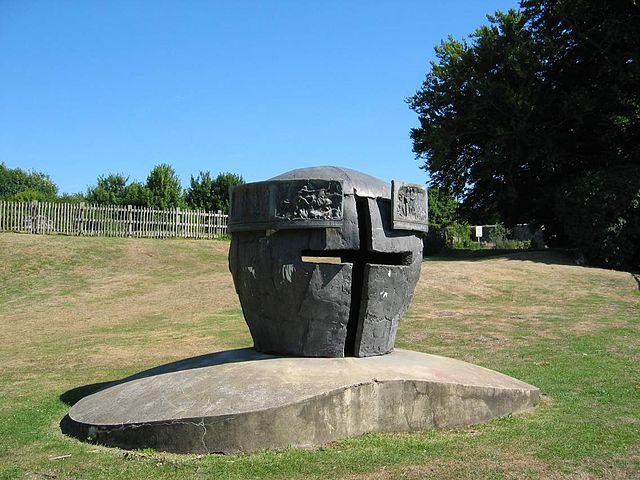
(252, 87)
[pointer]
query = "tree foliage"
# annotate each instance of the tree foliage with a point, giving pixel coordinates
(162, 189)
(71, 198)
(211, 194)
(16, 184)
(137, 194)
(115, 189)
(601, 212)
(534, 106)
(443, 208)
(165, 189)
(474, 115)
(199, 194)
(223, 182)
(110, 189)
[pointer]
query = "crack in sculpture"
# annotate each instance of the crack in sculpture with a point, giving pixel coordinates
(359, 258)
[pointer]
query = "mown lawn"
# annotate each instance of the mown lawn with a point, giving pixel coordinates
(75, 312)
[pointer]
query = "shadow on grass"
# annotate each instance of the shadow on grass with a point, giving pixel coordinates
(547, 256)
(551, 256)
(73, 396)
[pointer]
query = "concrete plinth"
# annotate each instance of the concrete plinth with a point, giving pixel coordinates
(242, 400)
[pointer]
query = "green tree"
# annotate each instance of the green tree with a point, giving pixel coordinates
(590, 71)
(29, 196)
(34, 184)
(109, 190)
(71, 198)
(211, 194)
(221, 185)
(115, 189)
(200, 193)
(137, 194)
(164, 187)
(535, 105)
(601, 215)
(474, 112)
(443, 208)
(589, 130)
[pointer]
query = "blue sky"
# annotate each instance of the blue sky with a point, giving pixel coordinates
(256, 88)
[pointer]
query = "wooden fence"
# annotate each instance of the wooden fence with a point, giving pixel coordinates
(109, 220)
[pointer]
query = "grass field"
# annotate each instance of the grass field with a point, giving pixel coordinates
(75, 312)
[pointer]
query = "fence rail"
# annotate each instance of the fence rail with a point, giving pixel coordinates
(109, 220)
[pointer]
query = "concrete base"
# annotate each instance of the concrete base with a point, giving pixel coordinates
(242, 400)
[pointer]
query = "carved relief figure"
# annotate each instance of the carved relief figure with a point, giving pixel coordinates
(311, 203)
(407, 202)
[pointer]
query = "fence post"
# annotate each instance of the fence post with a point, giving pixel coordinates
(33, 224)
(80, 228)
(129, 226)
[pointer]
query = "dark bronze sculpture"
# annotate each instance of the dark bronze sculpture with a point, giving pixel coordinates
(295, 305)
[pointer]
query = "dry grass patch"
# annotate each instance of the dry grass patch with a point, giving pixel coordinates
(80, 302)
(492, 300)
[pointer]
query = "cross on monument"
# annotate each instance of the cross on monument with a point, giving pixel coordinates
(359, 258)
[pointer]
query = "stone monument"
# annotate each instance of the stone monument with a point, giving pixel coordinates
(297, 306)
(325, 261)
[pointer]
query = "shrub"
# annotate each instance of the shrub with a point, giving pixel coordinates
(434, 241)
(600, 214)
(499, 233)
(510, 244)
(459, 237)
(30, 195)
(14, 181)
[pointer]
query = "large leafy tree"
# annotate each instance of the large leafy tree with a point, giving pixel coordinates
(211, 194)
(115, 189)
(200, 193)
(516, 120)
(164, 187)
(475, 117)
(592, 72)
(443, 208)
(223, 182)
(590, 68)
(17, 184)
(109, 190)
(137, 194)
